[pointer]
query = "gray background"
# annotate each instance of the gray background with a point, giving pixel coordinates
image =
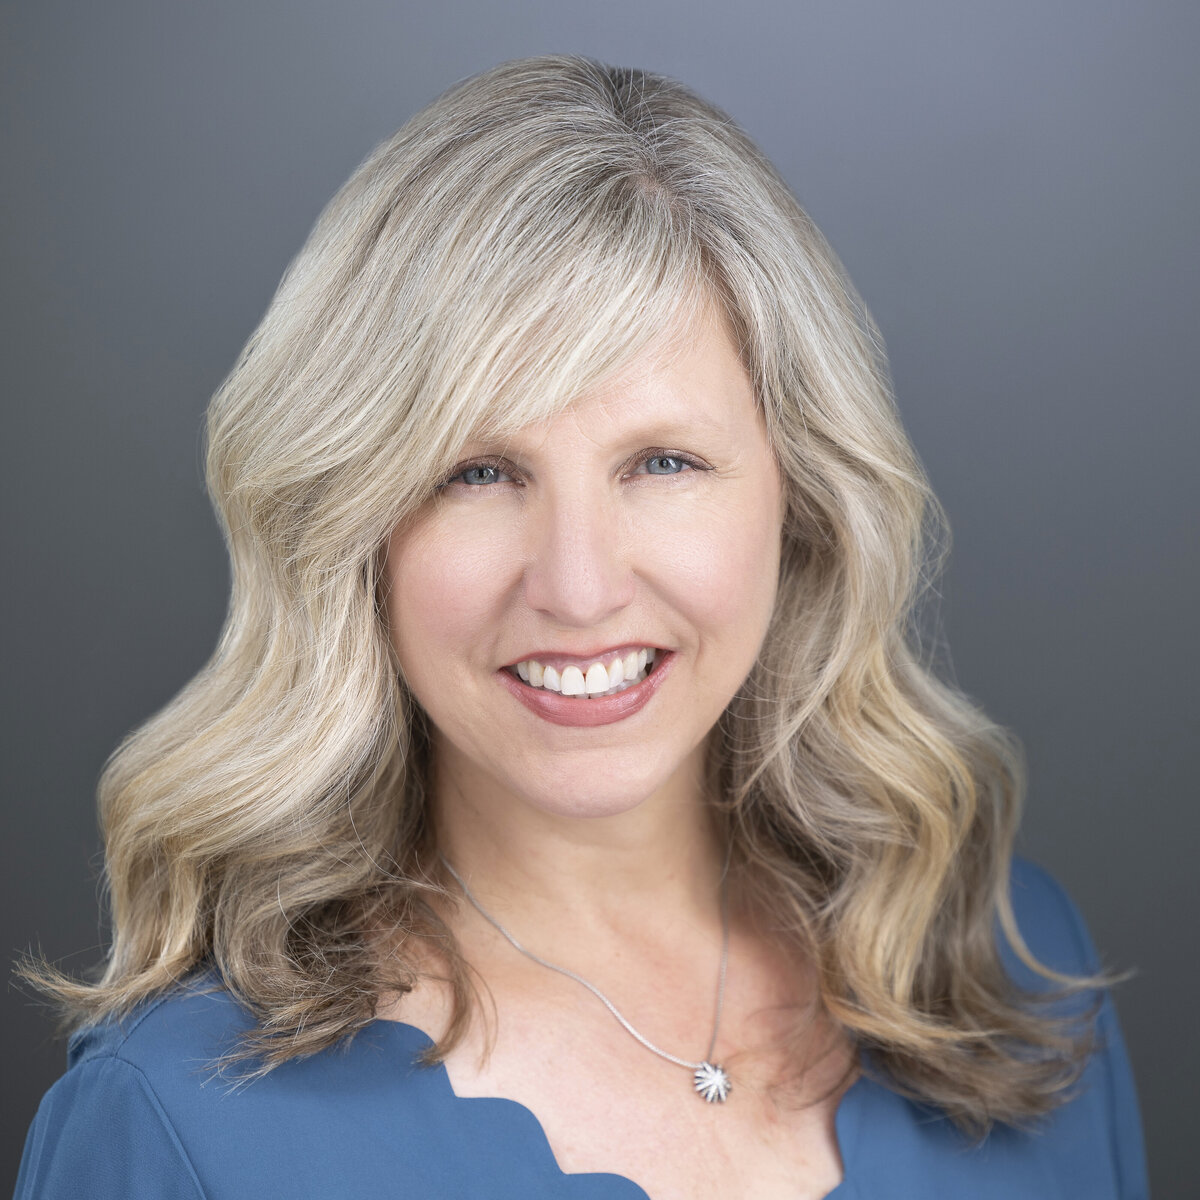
(1014, 187)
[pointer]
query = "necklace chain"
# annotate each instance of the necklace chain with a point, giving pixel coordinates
(703, 1067)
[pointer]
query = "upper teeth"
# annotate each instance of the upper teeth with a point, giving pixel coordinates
(591, 679)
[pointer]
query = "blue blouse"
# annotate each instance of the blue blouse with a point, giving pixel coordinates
(140, 1114)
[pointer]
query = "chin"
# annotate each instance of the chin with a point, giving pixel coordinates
(590, 806)
(610, 798)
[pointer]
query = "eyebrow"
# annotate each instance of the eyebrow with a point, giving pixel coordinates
(663, 428)
(659, 430)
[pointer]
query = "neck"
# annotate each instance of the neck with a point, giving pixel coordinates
(537, 868)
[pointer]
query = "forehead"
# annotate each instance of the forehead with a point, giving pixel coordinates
(689, 380)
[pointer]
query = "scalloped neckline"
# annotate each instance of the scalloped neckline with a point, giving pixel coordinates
(845, 1120)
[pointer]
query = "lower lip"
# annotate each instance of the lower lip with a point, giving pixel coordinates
(602, 710)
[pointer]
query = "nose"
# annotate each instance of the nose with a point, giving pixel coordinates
(579, 570)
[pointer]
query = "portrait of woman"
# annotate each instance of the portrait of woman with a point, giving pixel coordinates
(569, 807)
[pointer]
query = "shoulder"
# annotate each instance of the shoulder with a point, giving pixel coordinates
(1057, 934)
(105, 1128)
(1105, 1110)
(1090, 1146)
(196, 1021)
(146, 1109)
(1051, 925)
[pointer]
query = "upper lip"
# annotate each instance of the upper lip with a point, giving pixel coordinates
(620, 648)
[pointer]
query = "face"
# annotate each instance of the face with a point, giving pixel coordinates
(626, 552)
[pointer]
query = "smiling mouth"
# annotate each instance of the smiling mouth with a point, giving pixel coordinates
(608, 675)
(568, 707)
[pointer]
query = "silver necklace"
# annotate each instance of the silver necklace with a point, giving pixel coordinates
(711, 1081)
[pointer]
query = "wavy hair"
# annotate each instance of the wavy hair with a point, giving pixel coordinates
(516, 242)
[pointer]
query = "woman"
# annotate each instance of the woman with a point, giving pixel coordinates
(565, 810)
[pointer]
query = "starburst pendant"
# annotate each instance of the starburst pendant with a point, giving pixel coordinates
(712, 1083)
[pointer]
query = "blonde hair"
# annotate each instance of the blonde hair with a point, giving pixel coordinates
(515, 242)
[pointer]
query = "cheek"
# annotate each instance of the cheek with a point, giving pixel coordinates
(723, 567)
(442, 586)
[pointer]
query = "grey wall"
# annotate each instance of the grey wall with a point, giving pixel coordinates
(1013, 186)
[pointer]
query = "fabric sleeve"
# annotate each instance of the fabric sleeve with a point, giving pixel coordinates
(100, 1132)
(1126, 1137)
(1056, 933)
(1129, 1147)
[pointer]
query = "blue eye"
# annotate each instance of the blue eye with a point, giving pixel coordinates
(481, 475)
(665, 464)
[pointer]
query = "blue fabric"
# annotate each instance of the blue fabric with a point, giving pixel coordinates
(140, 1115)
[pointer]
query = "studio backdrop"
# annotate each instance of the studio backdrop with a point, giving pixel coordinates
(1014, 190)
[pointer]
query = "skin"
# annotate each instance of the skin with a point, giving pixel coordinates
(648, 513)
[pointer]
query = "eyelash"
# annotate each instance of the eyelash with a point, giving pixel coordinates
(498, 464)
